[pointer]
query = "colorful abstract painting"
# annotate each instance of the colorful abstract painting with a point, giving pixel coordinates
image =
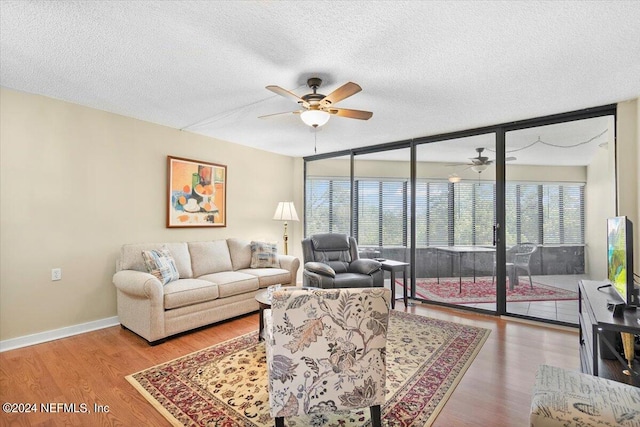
(197, 193)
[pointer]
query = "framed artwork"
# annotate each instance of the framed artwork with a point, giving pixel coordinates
(197, 193)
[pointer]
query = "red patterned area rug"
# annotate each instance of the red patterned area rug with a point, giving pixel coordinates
(226, 385)
(483, 290)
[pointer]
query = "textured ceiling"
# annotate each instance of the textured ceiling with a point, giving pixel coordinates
(425, 67)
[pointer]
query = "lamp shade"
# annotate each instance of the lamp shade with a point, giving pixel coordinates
(479, 168)
(286, 211)
(314, 118)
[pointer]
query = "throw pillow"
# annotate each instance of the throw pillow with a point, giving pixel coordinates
(264, 255)
(160, 263)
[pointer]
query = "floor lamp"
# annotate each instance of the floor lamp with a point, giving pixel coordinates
(286, 211)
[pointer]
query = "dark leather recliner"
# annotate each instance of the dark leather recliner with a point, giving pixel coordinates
(332, 261)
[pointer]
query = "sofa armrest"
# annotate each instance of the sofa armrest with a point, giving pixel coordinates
(320, 268)
(138, 283)
(364, 266)
(289, 262)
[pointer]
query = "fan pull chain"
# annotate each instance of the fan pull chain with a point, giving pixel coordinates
(315, 142)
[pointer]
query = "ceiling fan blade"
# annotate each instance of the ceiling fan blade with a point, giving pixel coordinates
(344, 91)
(507, 159)
(280, 114)
(283, 92)
(350, 114)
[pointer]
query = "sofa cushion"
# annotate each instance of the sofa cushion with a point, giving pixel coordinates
(160, 263)
(240, 251)
(183, 292)
(131, 257)
(264, 255)
(233, 282)
(269, 276)
(209, 257)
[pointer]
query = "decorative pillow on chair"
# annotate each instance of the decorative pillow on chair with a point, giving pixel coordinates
(264, 255)
(160, 263)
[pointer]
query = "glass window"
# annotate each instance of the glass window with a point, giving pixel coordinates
(327, 206)
(461, 213)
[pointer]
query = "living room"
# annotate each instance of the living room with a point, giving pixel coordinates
(78, 182)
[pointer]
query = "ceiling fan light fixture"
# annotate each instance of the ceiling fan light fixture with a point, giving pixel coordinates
(315, 118)
(479, 168)
(454, 178)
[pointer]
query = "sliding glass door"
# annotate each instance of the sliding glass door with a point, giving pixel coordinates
(382, 207)
(550, 170)
(505, 219)
(455, 217)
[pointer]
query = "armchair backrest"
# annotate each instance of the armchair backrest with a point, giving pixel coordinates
(326, 350)
(333, 249)
(522, 253)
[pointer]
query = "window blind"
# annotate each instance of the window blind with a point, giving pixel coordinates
(327, 206)
(382, 213)
(432, 213)
(460, 213)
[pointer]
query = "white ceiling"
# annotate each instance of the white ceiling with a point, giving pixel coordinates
(425, 67)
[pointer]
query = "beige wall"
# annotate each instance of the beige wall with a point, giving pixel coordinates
(76, 183)
(600, 204)
(628, 146)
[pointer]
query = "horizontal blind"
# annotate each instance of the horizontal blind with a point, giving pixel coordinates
(432, 213)
(381, 212)
(460, 213)
(473, 213)
(327, 206)
(394, 213)
(551, 214)
(522, 213)
(572, 209)
(368, 212)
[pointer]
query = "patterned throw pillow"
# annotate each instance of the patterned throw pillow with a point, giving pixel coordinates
(160, 263)
(264, 255)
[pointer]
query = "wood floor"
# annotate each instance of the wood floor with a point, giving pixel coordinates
(89, 369)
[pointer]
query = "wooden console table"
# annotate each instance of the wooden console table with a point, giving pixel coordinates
(598, 331)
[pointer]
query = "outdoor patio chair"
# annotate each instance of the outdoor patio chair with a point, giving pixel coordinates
(518, 257)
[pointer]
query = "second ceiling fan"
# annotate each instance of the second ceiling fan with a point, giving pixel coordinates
(480, 162)
(317, 108)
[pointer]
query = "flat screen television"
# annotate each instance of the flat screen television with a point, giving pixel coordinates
(620, 259)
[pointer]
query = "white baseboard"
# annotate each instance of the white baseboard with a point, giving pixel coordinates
(56, 334)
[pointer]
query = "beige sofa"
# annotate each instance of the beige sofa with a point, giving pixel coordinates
(216, 282)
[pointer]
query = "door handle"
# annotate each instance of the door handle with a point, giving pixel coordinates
(496, 227)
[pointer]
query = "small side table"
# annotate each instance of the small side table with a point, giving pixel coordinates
(264, 302)
(392, 267)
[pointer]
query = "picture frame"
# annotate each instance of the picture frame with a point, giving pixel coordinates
(196, 193)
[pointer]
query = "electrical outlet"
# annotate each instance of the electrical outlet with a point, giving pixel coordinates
(56, 274)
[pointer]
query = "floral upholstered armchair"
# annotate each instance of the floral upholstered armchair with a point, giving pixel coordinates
(326, 351)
